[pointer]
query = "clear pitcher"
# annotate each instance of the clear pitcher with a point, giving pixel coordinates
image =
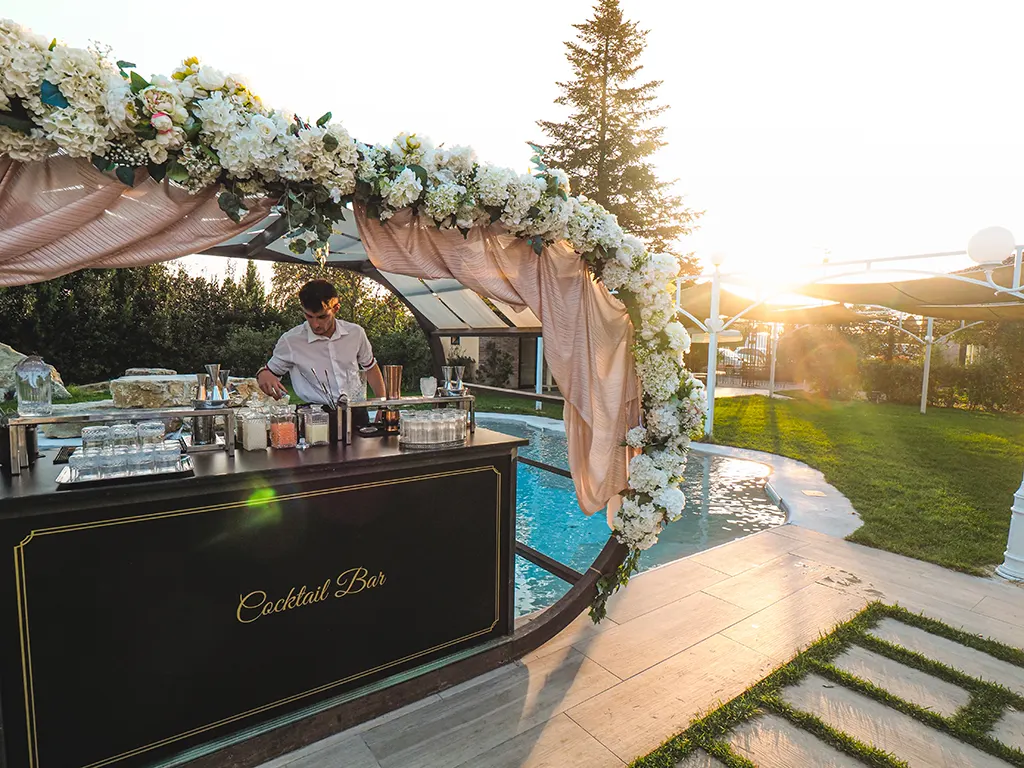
(34, 386)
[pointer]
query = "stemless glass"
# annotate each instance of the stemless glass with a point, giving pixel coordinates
(123, 438)
(166, 456)
(141, 463)
(93, 439)
(151, 434)
(114, 464)
(428, 386)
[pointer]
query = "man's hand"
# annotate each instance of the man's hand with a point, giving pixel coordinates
(270, 385)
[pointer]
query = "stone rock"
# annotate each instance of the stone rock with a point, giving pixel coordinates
(153, 391)
(10, 357)
(89, 389)
(247, 392)
(150, 372)
(179, 390)
(73, 430)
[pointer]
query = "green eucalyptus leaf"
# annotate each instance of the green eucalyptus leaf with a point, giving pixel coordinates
(21, 125)
(125, 65)
(192, 128)
(126, 175)
(157, 172)
(330, 142)
(100, 163)
(297, 246)
(562, 194)
(139, 83)
(325, 118)
(50, 94)
(210, 153)
(177, 172)
(145, 131)
(538, 244)
(53, 44)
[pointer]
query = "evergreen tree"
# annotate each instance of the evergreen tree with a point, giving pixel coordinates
(607, 142)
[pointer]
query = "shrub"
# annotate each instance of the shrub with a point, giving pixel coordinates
(899, 380)
(246, 350)
(408, 348)
(496, 367)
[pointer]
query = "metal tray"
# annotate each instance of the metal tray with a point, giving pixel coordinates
(184, 469)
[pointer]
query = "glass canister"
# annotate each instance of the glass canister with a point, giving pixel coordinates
(284, 431)
(34, 384)
(317, 429)
(254, 431)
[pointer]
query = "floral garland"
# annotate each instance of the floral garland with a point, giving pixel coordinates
(200, 127)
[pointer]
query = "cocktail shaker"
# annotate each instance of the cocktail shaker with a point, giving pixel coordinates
(214, 370)
(393, 388)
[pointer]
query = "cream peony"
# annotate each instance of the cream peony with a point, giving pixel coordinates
(210, 79)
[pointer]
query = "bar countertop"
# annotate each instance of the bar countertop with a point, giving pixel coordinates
(36, 488)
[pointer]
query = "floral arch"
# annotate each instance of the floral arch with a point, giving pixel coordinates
(172, 150)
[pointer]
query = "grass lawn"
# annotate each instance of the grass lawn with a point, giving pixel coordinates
(936, 487)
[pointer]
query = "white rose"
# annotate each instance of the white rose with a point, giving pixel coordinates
(210, 79)
(186, 90)
(162, 121)
(264, 127)
(678, 337)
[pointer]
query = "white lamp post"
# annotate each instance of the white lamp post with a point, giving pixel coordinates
(714, 326)
(989, 248)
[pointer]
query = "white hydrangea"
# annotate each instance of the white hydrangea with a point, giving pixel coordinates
(443, 201)
(413, 149)
(670, 461)
(671, 499)
(26, 148)
(629, 250)
(678, 337)
(404, 190)
(23, 58)
(75, 131)
(662, 421)
(659, 375)
(636, 437)
(614, 275)
(644, 474)
(218, 115)
(458, 159)
(524, 192)
(492, 185)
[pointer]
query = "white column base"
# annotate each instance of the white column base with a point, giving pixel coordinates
(1013, 562)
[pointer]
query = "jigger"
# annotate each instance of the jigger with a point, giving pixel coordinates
(204, 381)
(214, 370)
(225, 374)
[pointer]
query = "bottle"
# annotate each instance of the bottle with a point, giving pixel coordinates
(34, 381)
(284, 432)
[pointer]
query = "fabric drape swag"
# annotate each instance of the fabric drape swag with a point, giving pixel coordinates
(62, 215)
(586, 330)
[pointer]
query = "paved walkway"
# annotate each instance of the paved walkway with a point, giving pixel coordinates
(679, 640)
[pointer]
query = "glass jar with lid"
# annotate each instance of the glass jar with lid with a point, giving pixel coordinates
(253, 425)
(316, 427)
(34, 386)
(284, 432)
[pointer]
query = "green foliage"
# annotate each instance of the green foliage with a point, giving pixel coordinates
(606, 144)
(990, 384)
(456, 356)
(407, 347)
(496, 367)
(914, 479)
(245, 350)
(899, 380)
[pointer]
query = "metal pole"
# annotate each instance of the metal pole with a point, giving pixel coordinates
(1017, 257)
(714, 323)
(1013, 562)
(775, 350)
(928, 339)
(538, 377)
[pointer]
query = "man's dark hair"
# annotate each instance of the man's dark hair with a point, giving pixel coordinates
(315, 294)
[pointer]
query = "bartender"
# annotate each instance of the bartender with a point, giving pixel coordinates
(327, 345)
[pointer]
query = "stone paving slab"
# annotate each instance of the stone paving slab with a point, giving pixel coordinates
(960, 657)
(773, 741)
(874, 723)
(902, 681)
(559, 743)
(1010, 729)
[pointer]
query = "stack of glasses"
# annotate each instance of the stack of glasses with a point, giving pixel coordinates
(444, 428)
(124, 450)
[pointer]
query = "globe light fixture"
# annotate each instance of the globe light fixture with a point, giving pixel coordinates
(717, 258)
(989, 247)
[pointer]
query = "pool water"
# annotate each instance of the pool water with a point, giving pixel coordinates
(725, 500)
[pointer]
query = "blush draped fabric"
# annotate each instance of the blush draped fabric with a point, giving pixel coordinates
(587, 333)
(61, 215)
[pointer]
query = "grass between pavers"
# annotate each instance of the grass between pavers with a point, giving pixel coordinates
(936, 487)
(970, 724)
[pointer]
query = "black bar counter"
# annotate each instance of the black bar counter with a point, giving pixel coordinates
(145, 620)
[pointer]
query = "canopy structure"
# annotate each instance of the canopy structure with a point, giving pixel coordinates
(443, 307)
(971, 296)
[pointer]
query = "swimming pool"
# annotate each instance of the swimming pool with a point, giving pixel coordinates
(725, 500)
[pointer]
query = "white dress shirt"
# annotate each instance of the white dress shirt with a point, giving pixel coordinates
(343, 355)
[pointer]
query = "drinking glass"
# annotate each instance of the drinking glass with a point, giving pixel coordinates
(140, 463)
(114, 464)
(93, 439)
(151, 434)
(80, 464)
(166, 456)
(123, 438)
(428, 386)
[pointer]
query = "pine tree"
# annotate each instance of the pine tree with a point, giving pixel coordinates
(606, 143)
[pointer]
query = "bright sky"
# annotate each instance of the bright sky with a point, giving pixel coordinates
(861, 129)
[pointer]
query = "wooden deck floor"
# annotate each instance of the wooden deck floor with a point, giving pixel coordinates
(678, 640)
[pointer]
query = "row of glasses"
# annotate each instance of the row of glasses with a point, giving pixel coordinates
(433, 428)
(124, 450)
